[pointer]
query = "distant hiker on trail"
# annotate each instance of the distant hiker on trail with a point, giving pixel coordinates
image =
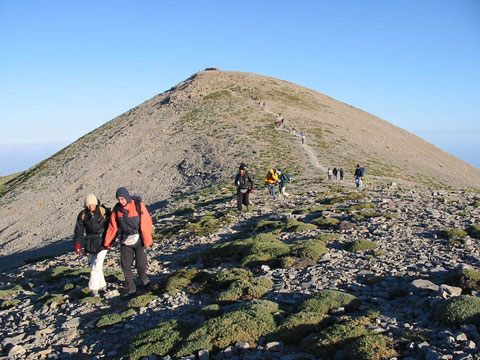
(341, 173)
(335, 172)
(329, 174)
(93, 221)
(131, 220)
(302, 134)
(283, 178)
(359, 173)
(244, 184)
(271, 178)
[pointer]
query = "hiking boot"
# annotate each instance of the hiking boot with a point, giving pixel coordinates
(129, 294)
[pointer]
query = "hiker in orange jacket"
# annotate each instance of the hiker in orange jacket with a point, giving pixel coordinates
(133, 223)
(271, 179)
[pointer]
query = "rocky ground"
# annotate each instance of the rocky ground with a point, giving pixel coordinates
(404, 278)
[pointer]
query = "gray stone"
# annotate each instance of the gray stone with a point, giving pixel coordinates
(450, 290)
(72, 323)
(16, 350)
(425, 285)
(13, 340)
(203, 355)
(274, 346)
(69, 350)
(242, 345)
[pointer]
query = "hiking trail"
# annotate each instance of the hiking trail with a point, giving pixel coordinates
(307, 148)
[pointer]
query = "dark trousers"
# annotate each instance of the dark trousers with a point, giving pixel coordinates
(242, 199)
(127, 254)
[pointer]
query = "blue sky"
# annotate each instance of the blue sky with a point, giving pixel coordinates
(67, 67)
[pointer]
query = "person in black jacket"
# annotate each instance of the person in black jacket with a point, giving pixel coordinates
(244, 184)
(92, 222)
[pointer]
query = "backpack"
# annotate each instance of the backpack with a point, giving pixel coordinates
(289, 178)
(363, 171)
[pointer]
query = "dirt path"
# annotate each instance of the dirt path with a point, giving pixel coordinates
(307, 148)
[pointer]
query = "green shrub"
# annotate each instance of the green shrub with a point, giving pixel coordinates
(370, 347)
(91, 300)
(287, 262)
(9, 292)
(205, 225)
(312, 249)
(263, 225)
(326, 343)
(159, 341)
(460, 310)
(229, 275)
(474, 231)
(253, 288)
(211, 310)
(359, 245)
(451, 233)
(298, 326)
(326, 222)
(10, 303)
(111, 319)
(327, 300)
(327, 237)
(295, 225)
(365, 205)
(55, 299)
(415, 335)
(248, 323)
(265, 252)
(141, 300)
(467, 279)
(192, 280)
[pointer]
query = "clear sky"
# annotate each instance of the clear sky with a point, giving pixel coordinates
(67, 67)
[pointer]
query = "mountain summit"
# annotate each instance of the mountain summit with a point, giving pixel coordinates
(195, 135)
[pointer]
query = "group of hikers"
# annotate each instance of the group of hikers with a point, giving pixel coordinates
(335, 173)
(130, 221)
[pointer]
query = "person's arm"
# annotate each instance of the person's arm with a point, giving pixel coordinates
(112, 230)
(146, 226)
(78, 233)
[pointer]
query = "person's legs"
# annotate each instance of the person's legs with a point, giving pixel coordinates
(246, 199)
(126, 261)
(97, 279)
(239, 201)
(141, 262)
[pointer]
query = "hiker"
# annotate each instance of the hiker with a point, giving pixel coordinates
(341, 173)
(92, 222)
(302, 134)
(131, 220)
(358, 176)
(329, 174)
(244, 184)
(271, 178)
(283, 178)
(335, 172)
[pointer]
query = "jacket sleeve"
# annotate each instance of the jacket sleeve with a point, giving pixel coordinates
(112, 230)
(146, 226)
(79, 229)
(250, 180)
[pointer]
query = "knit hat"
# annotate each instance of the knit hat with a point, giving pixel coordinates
(242, 167)
(123, 192)
(91, 200)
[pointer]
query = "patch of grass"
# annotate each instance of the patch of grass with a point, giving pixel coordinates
(111, 319)
(312, 249)
(191, 280)
(325, 343)
(451, 233)
(415, 335)
(9, 292)
(159, 341)
(370, 347)
(62, 272)
(91, 300)
(53, 299)
(327, 300)
(378, 253)
(252, 288)
(467, 279)
(474, 231)
(460, 310)
(217, 95)
(360, 245)
(299, 325)
(327, 237)
(229, 275)
(10, 303)
(141, 300)
(326, 222)
(269, 225)
(265, 252)
(248, 323)
(211, 310)
(295, 225)
(365, 205)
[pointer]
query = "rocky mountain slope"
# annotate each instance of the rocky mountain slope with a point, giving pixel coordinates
(330, 272)
(195, 135)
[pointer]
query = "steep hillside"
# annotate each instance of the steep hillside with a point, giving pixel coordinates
(195, 135)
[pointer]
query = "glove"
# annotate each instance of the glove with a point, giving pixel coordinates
(251, 191)
(78, 249)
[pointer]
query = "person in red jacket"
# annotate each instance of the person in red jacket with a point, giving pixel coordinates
(132, 222)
